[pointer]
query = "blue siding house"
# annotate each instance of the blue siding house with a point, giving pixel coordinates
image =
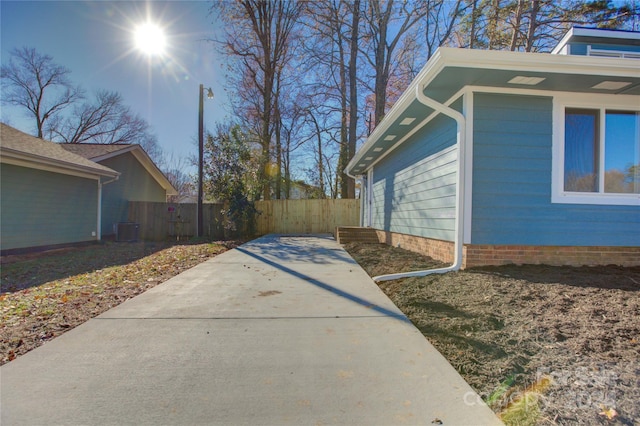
(494, 157)
(55, 195)
(49, 197)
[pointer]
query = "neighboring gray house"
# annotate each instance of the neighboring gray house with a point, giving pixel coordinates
(300, 190)
(48, 196)
(140, 179)
(494, 157)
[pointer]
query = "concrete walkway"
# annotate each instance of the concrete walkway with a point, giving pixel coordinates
(282, 330)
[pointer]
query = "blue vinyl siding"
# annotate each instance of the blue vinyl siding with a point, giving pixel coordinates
(134, 184)
(512, 183)
(414, 186)
(41, 208)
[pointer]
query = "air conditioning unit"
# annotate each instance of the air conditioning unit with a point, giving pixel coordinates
(127, 231)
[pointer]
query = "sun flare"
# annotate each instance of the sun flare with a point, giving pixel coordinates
(150, 39)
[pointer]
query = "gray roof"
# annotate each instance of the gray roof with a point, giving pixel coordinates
(20, 145)
(99, 152)
(95, 150)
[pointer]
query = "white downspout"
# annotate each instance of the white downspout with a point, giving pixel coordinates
(370, 198)
(363, 189)
(99, 227)
(361, 197)
(459, 223)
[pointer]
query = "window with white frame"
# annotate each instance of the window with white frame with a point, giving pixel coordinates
(598, 157)
(607, 53)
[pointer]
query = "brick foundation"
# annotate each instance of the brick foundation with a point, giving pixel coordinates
(481, 255)
(484, 255)
(437, 249)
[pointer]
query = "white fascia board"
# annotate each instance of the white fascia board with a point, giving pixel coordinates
(540, 62)
(563, 42)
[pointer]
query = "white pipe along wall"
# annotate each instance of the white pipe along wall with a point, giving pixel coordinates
(459, 222)
(100, 185)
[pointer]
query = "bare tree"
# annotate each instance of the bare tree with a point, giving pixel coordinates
(292, 115)
(536, 25)
(279, 85)
(518, 20)
(258, 34)
(35, 82)
(107, 121)
(173, 168)
(387, 23)
(333, 49)
(546, 21)
(353, 92)
(441, 19)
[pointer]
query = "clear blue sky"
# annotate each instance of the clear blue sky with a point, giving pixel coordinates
(94, 39)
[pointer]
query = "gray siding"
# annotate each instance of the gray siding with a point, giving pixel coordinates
(414, 186)
(134, 184)
(512, 183)
(42, 208)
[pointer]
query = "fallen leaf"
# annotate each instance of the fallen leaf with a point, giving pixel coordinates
(609, 413)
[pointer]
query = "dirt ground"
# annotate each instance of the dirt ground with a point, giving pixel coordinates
(541, 345)
(43, 295)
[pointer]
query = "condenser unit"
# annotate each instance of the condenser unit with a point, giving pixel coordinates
(127, 231)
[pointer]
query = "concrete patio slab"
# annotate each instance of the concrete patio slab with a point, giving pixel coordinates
(283, 330)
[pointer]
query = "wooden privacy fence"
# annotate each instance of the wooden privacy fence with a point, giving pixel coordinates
(305, 216)
(161, 221)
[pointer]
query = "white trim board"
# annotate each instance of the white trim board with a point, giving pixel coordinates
(467, 111)
(558, 195)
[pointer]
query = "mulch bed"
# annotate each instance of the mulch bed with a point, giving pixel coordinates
(566, 338)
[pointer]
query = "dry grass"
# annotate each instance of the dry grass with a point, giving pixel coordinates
(43, 295)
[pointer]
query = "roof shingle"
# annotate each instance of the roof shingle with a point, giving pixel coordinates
(13, 141)
(94, 150)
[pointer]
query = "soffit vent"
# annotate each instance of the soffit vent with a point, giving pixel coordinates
(527, 81)
(611, 85)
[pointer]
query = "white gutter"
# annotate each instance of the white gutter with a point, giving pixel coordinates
(354, 177)
(459, 223)
(100, 183)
